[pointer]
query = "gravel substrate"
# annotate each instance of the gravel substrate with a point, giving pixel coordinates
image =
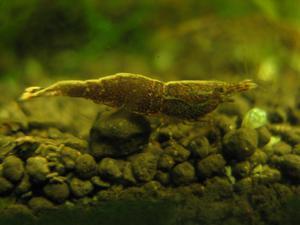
(234, 168)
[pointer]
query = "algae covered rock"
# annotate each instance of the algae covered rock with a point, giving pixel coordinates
(258, 157)
(144, 166)
(85, 166)
(110, 169)
(57, 192)
(281, 148)
(38, 204)
(68, 157)
(290, 166)
(163, 177)
(200, 147)
(37, 168)
(24, 185)
(264, 136)
(242, 169)
(240, 144)
(266, 175)
(81, 188)
(183, 173)
(99, 183)
(118, 134)
(13, 168)
(5, 186)
(165, 162)
(177, 152)
(127, 173)
(211, 165)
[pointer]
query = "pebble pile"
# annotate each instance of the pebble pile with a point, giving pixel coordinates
(126, 157)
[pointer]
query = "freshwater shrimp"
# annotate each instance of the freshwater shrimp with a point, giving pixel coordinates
(188, 99)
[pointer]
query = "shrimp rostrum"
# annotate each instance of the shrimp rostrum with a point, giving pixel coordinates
(189, 99)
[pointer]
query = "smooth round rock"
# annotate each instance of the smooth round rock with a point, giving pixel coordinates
(240, 144)
(85, 166)
(37, 168)
(281, 148)
(165, 162)
(200, 147)
(144, 166)
(110, 169)
(210, 166)
(38, 204)
(177, 152)
(13, 168)
(5, 186)
(57, 192)
(24, 185)
(264, 136)
(81, 188)
(183, 173)
(118, 134)
(242, 169)
(290, 166)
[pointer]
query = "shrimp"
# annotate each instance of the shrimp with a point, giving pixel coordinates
(188, 99)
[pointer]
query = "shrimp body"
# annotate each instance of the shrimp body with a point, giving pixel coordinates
(140, 94)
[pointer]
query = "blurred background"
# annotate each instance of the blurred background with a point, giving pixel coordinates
(167, 39)
(42, 41)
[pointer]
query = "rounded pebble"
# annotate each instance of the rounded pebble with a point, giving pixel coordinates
(38, 204)
(183, 173)
(57, 192)
(144, 166)
(37, 168)
(211, 165)
(81, 188)
(240, 144)
(125, 132)
(177, 152)
(165, 162)
(13, 168)
(5, 186)
(110, 169)
(85, 166)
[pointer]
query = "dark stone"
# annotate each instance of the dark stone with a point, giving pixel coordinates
(110, 169)
(266, 175)
(240, 144)
(99, 183)
(5, 186)
(57, 192)
(264, 136)
(277, 115)
(242, 169)
(13, 168)
(200, 147)
(165, 162)
(183, 173)
(290, 166)
(85, 166)
(281, 148)
(81, 188)
(163, 177)
(37, 168)
(38, 204)
(118, 134)
(144, 166)
(24, 186)
(210, 166)
(258, 157)
(177, 152)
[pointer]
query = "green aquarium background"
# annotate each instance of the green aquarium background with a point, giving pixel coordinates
(166, 39)
(43, 41)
